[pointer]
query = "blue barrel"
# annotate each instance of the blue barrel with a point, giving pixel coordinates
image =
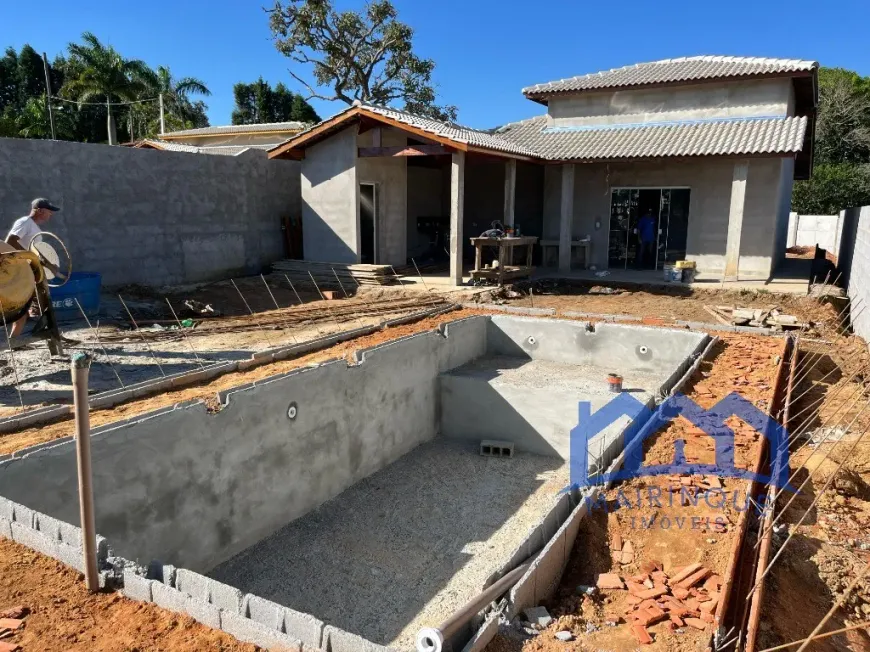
(84, 286)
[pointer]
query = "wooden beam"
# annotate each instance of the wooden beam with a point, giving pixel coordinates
(405, 150)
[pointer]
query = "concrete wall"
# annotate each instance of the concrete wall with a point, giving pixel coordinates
(856, 264)
(193, 488)
(748, 98)
(710, 183)
(810, 230)
(330, 200)
(153, 217)
(390, 176)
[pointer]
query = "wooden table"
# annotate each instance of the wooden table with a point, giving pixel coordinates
(506, 270)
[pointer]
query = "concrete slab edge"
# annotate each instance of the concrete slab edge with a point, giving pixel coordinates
(517, 310)
(600, 315)
(114, 397)
(484, 635)
(697, 325)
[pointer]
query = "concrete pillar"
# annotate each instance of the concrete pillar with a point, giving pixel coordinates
(793, 223)
(735, 219)
(510, 191)
(457, 202)
(566, 217)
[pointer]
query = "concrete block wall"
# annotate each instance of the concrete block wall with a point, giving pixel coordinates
(235, 476)
(859, 272)
(153, 217)
(810, 230)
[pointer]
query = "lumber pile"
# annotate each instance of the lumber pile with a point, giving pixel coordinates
(325, 273)
(770, 317)
(686, 598)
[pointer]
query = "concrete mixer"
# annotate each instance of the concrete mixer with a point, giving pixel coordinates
(24, 280)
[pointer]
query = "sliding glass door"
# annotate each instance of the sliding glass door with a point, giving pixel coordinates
(648, 227)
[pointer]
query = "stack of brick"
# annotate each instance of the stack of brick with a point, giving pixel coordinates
(688, 597)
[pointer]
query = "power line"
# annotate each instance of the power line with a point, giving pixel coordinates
(63, 99)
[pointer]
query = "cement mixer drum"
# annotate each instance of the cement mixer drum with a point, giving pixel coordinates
(19, 273)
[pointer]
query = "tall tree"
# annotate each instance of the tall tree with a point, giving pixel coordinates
(105, 74)
(176, 92)
(258, 102)
(366, 55)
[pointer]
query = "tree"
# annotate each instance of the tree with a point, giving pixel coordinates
(833, 187)
(176, 92)
(841, 174)
(34, 121)
(366, 55)
(258, 103)
(107, 75)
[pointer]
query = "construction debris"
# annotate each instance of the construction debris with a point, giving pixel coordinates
(688, 597)
(326, 273)
(770, 317)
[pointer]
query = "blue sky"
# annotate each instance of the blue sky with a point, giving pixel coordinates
(485, 50)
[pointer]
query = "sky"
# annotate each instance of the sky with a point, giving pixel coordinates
(485, 51)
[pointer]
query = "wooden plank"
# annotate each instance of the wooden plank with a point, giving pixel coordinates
(405, 150)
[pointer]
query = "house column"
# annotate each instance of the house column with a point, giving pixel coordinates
(510, 190)
(566, 217)
(457, 201)
(735, 220)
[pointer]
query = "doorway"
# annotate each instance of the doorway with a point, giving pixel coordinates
(648, 227)
(368, 223)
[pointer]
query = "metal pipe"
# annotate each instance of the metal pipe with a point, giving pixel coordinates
(80, 366)
(431, 639)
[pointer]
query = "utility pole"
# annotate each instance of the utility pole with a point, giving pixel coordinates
(48, 95)
(162, 119)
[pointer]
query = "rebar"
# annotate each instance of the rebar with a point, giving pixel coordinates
(142, 337)
(183, 334)
(275, 301)
(100, 344)
(247, 305)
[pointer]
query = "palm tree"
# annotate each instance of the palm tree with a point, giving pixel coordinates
(106, 74)
(34, 122)
(176, 92)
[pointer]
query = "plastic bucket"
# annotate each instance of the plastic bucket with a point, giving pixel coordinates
(84, 286)
(669, 272)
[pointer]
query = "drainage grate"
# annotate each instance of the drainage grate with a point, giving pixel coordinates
(495, 448)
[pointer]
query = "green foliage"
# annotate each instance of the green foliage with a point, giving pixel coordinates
(93, 72)
(366, 55)
(841, 174)
(833, 187)
(259, 102)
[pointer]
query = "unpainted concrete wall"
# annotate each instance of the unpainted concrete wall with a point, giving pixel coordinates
(856, 264)
(194, 488)
(330, 200)
(810, 230)
(390, 176)
(767, 197)
(747, 98)
(153, 217)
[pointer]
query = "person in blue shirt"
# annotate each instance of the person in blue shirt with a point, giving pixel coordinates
(646, 234)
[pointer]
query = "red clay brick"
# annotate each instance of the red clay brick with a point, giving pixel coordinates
(685, 572)
(10, 623)
(616, 542)
(697, 623)
(693, 579)
(707, 617)
(634, 588)
(641, 634)
(633, 600)
(680, 592)
(609, 581)
(676, 620)
(652, 593)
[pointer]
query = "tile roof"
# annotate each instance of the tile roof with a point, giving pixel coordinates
(219, 150)
(673, 70)
(735, 136)
(263, 127)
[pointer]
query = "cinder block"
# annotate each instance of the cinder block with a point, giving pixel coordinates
(136, 587)
(168, 598)
(69, 555)
(199, 586)
(522, 594)
(34, 540)
(5, 528)
(6, 509)
(174, 600)
(23, 515)
(338, 640)
(304, 627)
(203, 612)
(250, 631)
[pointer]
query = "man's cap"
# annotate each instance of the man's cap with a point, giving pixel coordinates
(42, 202)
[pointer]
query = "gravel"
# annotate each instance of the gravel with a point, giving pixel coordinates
(406, 547)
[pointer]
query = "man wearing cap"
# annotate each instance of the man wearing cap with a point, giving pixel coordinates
(21, 235)
(26, 228)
